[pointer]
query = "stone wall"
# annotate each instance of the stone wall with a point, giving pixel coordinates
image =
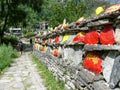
(68, 64)
(76, 77)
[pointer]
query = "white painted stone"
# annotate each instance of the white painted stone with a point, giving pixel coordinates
(60, 39)
(65, 53)
(71, 36)
(117, 34)
(60, 50)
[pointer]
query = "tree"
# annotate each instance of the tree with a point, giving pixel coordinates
(31, 18)
(71, 10)
(11, 14)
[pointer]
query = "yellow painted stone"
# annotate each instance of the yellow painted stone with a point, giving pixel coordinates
(99, 10)
(65, 38)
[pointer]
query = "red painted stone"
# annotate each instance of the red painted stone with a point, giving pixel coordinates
(92, 62)
(107, 35)
(56, 39)
(79, 37)
(91, 37)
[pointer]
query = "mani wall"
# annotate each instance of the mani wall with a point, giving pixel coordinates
(84, 54)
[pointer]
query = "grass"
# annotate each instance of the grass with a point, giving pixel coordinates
(7, 53)
(50, 82)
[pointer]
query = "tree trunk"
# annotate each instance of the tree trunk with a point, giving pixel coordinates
(2, 30)
(0, 39)
(4, 25)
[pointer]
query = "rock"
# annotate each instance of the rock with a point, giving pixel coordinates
(86, 75)
(63, 79)
(60, 38)
(119, 84)
(80, 82)
(71, 25)
(115, 75)
(78, 85)
(65, 53)
(67, 77)
(98, 23)
(117, 89)
(68, 54)
(67, 87)
(98, 77)
(108, 64)
(48, 51)
(77, 56)
(100, 85)
(17, 86)
(83, 28)
(87, 88)
(89, 47)
(117, 34)
(71, 85)
(60, 51)
(70, 37)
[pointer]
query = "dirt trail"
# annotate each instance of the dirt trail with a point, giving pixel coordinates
(22, 75)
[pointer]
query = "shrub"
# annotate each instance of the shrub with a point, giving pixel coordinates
(10, 39)
(29, 34)
(5, 56)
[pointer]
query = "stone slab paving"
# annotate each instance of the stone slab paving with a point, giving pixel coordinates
(22, 75)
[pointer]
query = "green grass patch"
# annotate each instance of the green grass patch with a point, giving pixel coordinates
(7, 53)
(50, 82)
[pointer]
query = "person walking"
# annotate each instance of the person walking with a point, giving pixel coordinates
(31, 41)
(20, 47)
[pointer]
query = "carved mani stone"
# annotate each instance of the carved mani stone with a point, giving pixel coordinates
(115, 75)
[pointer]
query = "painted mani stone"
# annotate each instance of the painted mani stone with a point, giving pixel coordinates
(107, 35)
(117, 34)
(112, 8)
(91, 37)
(92, 62)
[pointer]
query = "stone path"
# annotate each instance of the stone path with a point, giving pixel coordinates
(22, 75)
